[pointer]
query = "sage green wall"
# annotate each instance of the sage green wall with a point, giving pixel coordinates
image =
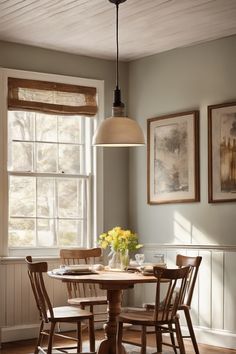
(21, 57)
(176, 81)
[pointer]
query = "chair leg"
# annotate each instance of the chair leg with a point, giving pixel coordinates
(50, 339)
(40, 337)
(119, 335)
(179, 337)
(158, 340)
(91, 335)
(172, 337)
(190, 328)
(143, 340)
(79, 337)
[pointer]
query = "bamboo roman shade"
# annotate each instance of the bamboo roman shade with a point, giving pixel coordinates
(51, 97)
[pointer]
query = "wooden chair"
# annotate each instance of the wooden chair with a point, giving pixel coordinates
(194, 264)
(164, 314)
(84, 295)
(52, 316)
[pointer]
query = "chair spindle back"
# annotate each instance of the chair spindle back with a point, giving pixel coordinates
(194, 264)
(81, 256)
(35, 272)
(174, 287)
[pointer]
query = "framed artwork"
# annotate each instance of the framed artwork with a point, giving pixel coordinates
(173, 158)
(222, 153)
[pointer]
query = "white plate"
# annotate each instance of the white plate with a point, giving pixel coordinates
(78, 267)
(113, 269)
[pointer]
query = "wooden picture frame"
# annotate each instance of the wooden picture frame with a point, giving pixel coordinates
(173, 158)
(222, 153)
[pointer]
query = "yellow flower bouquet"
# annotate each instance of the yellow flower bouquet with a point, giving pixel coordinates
(120, 241)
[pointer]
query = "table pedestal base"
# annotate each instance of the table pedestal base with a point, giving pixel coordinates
(109, 345)
(104, 347)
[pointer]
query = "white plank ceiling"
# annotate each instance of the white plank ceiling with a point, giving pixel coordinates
(87, 27)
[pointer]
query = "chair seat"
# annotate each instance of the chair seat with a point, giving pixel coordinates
(142, 318)
(69, 314)
(87, 301)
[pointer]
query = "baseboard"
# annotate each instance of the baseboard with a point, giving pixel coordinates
(216, 338)
(15, 333)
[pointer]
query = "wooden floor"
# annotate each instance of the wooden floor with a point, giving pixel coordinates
(27, 346)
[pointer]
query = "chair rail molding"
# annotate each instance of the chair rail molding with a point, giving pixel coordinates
(153, 246)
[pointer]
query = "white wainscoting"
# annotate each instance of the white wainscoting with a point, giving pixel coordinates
(19, 318)
(213, 307)
(214, 301)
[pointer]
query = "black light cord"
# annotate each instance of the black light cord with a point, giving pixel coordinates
(117, 94)
(117, 46)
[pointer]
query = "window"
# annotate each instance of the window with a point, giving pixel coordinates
(48, 179)
(50, 168)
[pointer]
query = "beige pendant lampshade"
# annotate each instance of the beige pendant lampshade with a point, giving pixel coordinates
(118, 132)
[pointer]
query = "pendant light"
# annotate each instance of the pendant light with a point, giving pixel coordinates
(118, 130)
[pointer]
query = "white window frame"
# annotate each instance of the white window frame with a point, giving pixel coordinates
(96, 197)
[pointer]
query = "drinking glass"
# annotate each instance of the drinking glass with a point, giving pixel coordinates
(159, 258)
(140, 258)
(91, 263)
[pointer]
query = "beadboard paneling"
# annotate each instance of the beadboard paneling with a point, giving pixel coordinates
(217, 293)
(213, 305)
(214, 300)
(17, 302)
(230, 291)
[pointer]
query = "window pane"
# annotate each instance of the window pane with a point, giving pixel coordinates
(45, 233)
(46, 157)
(22, 157)
(22, 196)
(69, 158)
(21, 125)
(69, 198)
(45, 197)
(46, 127)
(70, 233)
(69, 129)
(21, 232)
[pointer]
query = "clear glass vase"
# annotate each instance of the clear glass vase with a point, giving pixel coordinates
(124, 259)
(114, 262)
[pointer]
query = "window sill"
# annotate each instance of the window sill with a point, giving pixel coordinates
(50, 252)
(37, 253)
(7, 260)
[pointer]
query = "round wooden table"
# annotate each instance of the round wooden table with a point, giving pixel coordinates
(113, 282)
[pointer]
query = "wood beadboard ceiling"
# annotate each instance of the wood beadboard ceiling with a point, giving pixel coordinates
(87, 27)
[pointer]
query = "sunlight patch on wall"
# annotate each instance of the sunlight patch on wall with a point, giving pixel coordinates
(185, 232)
(182, 229)
(199, 237)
